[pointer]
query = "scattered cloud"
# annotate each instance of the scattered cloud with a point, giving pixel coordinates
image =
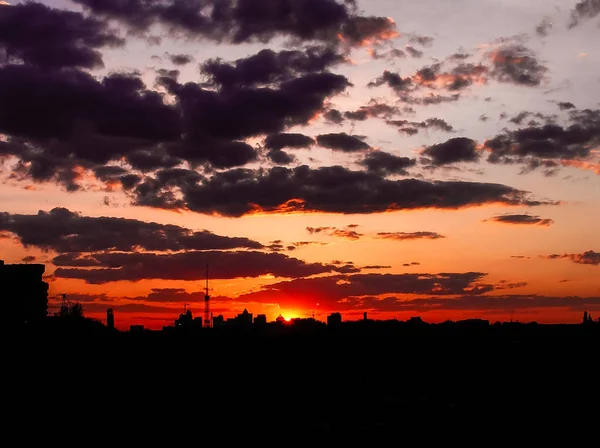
(522, 219)
(404, 236)
(588, 257)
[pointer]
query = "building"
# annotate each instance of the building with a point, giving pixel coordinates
(218, 321)
(242, 319)
(334, 319)
(110, 318)
(260, 319)
(24, 293)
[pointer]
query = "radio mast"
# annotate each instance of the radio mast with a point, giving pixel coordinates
(207, 319)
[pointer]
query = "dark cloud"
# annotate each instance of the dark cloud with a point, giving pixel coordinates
(455, 150)
(59, 120)
(242, 113)
(425, 41)
(375, 267)
(185, 266)
(503, 303)
(522, 219)
(386, 163)
(394, 81)
(64, 231)
(389, 55)
(413, 52)
(522, 116)
(280, 157)
(342, 142)
(239, 21)
(269, 67)
(346, 233)
(343, 290)
(333, 116)
(588, 257)
(584, 10)
(296, 141)
(180, 59)
(53, 38)
(459, 77)
(566, 105)
(413, 127)
(515, 63)
(537, 146)
(28, 259)
(544, 28)
(404, 236)
(61, 123)
(334, 190)
(375, 108)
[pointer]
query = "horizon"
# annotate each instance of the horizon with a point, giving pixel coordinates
(402, 159)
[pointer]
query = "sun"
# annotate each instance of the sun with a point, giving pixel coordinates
(288, 319)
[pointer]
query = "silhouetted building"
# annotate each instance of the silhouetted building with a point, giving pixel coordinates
(334, 319)
(110, 318)
(365, 316)
(280, 319)
(136, 328)
(242, 319)
(218, 321)
(25, 294)
(260, 319)
(185, 319)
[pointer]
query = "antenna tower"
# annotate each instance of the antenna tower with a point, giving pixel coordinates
(207, 319)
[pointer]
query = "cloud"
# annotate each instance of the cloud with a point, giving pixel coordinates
(544, 28)
(375, 108)
(455, 150)
(244, 21)
(185, 266)
(521, 219)
(342, 142)
(566, 105)
(394, 81)
(588, 257)
(297, 141)
(385, 163)
(180, 59)
(516, 64)
(344, 291)
(346, 233)
(413, 52)
(425, 41)
(584, 10)
(549, 144)
(53, 38)
(269, 67)
(330, 189)
(404, 236)
(482, 303)
(413, 127)
(64, 231)
(63, 123)
(389, 55)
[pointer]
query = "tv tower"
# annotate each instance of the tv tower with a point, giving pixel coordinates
(207, 319)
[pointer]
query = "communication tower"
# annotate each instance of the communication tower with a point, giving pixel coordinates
(207, 315)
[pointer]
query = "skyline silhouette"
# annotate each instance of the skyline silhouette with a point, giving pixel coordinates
(401, 159)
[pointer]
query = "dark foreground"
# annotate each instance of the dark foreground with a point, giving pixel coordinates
(213, 386)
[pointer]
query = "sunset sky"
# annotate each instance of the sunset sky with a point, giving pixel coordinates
(431, 158)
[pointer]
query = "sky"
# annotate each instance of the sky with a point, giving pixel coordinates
(434, 159)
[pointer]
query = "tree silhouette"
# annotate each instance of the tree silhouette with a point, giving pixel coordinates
(76, 310)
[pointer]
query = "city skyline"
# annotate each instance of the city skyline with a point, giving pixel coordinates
(321, 156)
